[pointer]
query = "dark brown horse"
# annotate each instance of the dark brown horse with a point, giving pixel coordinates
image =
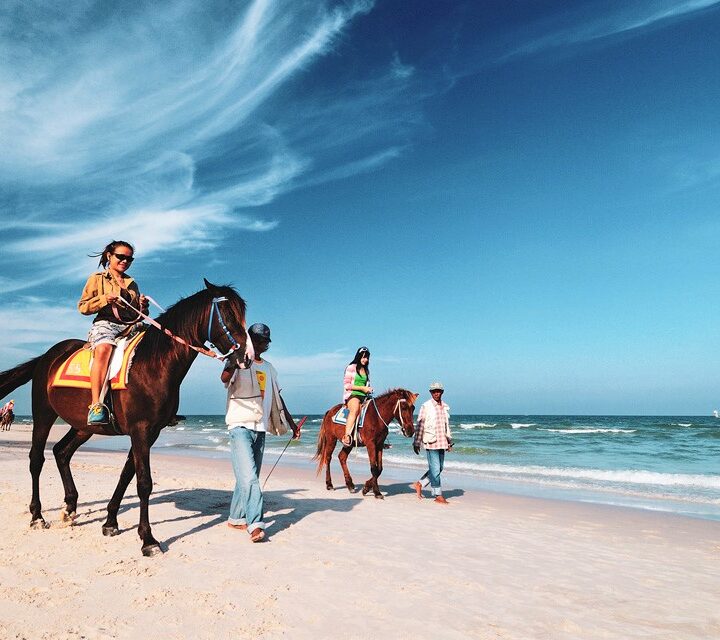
(147, 405)
(398, 404)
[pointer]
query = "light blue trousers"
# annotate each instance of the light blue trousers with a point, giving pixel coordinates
(436, 461)
(246, 451)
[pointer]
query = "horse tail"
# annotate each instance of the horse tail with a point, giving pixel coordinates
(17, 377)
(321, 443)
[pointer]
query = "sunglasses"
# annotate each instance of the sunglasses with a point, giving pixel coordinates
(121, 257)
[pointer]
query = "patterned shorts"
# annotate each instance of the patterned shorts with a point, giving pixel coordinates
(106, 332)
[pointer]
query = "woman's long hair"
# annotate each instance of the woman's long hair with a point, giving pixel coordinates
(110, 248)
(362, 351)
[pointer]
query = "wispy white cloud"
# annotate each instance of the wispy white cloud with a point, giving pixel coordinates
(35, 324)
(627, 18)
(148, 122)
(692, 172)
(399, 69)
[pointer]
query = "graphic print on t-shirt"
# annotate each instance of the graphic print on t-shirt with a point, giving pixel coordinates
(262, 380)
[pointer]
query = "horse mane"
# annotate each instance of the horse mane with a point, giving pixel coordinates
(187, 319)
(403, 393)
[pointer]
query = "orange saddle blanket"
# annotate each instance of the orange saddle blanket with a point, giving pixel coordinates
(75, 371)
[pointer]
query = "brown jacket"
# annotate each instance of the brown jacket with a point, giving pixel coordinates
(96, 291)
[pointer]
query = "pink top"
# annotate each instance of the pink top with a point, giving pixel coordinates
(348, 380)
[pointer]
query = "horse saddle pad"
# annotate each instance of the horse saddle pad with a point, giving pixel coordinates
(341, 416)
(75, 371)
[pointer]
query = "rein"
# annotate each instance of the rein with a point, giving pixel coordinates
(206, 352)
(392, 415)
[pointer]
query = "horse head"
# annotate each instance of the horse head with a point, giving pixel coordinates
(402, 404)
(406, 409)
(226, 324)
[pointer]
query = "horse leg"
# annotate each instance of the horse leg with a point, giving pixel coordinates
(371, 483)
(379, 469)
(330, 441)
(110, 526)
(342, 457)
(141, 455)
(43, 419)
(64, 450)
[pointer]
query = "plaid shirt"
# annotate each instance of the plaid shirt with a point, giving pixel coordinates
(434, 415)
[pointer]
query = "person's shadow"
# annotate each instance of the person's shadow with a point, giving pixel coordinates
(404, 488)
(282, 510)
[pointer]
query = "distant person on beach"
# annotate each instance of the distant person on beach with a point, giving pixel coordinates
(433, 432)
(356, 387)
(7, 416)
(254, 407)
(113, 320)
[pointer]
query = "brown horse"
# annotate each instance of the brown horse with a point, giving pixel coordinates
(398, 404)
(7, 419)
(147, 405)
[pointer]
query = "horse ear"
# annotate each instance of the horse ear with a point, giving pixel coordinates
(209, 285)
(415, 396)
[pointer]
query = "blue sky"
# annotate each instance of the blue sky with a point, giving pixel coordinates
(517, 198)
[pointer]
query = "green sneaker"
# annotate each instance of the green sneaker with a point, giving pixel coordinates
(98, 415)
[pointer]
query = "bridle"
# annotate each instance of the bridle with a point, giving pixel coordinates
(396, 410)
(214, 310)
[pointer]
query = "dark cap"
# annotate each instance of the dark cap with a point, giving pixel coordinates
(260, 330)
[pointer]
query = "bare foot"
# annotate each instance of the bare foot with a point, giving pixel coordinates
(257, 535)
(240, 527)
(418, 489)
(441, 500)
(346, 440)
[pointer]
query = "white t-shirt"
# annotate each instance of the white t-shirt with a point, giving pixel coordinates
(264, 373)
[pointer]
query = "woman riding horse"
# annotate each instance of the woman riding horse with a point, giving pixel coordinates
(100, 296)
(396, 404)
(161, 360)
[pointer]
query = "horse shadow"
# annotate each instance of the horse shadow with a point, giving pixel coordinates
(281, 510)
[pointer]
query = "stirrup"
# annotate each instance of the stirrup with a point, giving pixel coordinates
(98, 414)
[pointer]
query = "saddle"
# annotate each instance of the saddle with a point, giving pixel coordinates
(74, 372)
(341, 416)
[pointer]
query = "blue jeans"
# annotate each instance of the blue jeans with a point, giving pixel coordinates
(246, 451)
(436, 461)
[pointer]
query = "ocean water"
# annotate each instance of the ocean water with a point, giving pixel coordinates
(660, 463)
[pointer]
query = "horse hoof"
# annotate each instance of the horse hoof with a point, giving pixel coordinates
(110, 531)
(365, 491)
(151, 550)
(68, 517)
(39, 524)
(330, 487)
(379, 496)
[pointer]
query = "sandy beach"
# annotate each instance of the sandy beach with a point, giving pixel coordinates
(340, 565)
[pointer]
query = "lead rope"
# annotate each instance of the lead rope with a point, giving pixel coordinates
(167, 332)
(299, 426)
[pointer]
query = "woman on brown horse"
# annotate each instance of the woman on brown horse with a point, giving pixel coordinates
(100, 296)
(356, 389)
(396, 404)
